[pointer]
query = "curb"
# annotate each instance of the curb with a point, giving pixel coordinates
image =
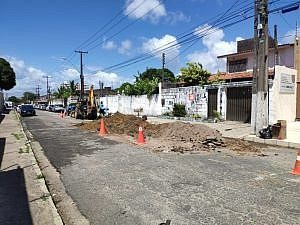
(66, 209)
(273, 142)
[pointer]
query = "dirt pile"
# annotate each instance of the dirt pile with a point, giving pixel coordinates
(176, 136)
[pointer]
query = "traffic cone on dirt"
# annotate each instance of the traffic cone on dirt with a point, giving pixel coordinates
(141, 139)
(296, 170)
(102, 130)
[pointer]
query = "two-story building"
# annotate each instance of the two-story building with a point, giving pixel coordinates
(282, 81)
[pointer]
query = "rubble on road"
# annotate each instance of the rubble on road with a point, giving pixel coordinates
(176, 137)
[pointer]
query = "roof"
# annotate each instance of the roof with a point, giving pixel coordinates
(237, 75)
(246, 52)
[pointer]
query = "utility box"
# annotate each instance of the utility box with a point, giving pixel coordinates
(279, 130)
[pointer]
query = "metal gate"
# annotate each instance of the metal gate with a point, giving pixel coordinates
(212, 102)
(239, 104)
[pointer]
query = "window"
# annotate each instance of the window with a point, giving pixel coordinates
(237, 66)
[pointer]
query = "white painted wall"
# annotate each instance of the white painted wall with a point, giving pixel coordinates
(282, 106)
(127, 104)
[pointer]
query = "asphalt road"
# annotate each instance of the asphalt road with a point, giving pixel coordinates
(114, 183)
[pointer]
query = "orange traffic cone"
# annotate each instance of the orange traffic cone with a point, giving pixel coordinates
(102, 130)
(296, 170)
(141, 139)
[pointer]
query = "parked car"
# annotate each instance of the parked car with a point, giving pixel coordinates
(49, 108)
(27, 110)
(58, 108)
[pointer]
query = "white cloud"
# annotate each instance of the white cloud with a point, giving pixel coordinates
(125, 47)
(70, 74)
(145, 9)
(156, 47)
(215, 46)
(109, 45)
(175, 17)
(27, 77)
(109, 79)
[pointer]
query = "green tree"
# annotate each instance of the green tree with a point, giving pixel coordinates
(194, 74)
(28, 97)
(7, 75)
(152, 73)
(14, 99)
(72, 88)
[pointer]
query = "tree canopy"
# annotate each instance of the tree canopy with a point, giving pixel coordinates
(194, 74)
(28, 97)
(152, 73)
(7, 75)
(146, 83)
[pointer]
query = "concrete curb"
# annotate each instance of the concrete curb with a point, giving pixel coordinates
(65, 207)
(57, 218)
(273, 142)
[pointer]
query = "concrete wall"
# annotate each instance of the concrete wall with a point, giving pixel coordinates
(195, 99)
(282, 105)
(128, 104)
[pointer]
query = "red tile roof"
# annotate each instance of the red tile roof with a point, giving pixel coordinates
(237, 75)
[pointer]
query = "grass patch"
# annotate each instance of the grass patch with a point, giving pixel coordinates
(40, 176)
(18, 136)
(24, 149)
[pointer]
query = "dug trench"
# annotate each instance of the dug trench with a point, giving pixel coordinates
(170, 137)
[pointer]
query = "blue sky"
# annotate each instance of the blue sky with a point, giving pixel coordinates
(38, 37)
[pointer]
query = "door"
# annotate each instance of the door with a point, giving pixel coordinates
(239, 104)
(212, 102)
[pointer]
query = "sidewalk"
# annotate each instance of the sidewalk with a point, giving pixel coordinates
(24, 198)
(240, 130)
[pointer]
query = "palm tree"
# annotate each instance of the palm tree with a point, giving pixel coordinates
(72, 88)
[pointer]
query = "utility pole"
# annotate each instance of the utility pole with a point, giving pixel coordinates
(48, 89)
(261, 84)
(276, 58)
(163, 70)
(255, 69)
(81, 75)
(38, 91)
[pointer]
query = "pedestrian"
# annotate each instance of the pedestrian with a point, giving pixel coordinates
(101, 109)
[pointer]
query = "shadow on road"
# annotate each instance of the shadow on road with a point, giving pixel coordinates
(2, 118)
(14, 208)
(2, 146)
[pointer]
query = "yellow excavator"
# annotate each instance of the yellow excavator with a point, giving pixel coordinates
(86, 109)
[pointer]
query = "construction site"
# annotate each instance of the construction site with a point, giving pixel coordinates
(167, 137)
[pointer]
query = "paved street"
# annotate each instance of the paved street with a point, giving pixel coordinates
(115, 183)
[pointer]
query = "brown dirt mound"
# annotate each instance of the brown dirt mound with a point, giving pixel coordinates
(177, 136)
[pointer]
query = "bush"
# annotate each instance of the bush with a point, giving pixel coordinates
(179, 110)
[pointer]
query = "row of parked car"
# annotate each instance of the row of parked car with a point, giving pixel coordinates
(51, 108)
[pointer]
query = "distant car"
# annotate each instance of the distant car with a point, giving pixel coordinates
(58, 108)
(49, 108)
(27, 110)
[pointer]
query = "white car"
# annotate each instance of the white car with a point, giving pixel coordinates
(58, 108)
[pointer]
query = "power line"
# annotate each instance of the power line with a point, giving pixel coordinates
(189, 39)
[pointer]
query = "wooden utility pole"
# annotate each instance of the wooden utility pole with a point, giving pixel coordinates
(260, 84)
(81, 75)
